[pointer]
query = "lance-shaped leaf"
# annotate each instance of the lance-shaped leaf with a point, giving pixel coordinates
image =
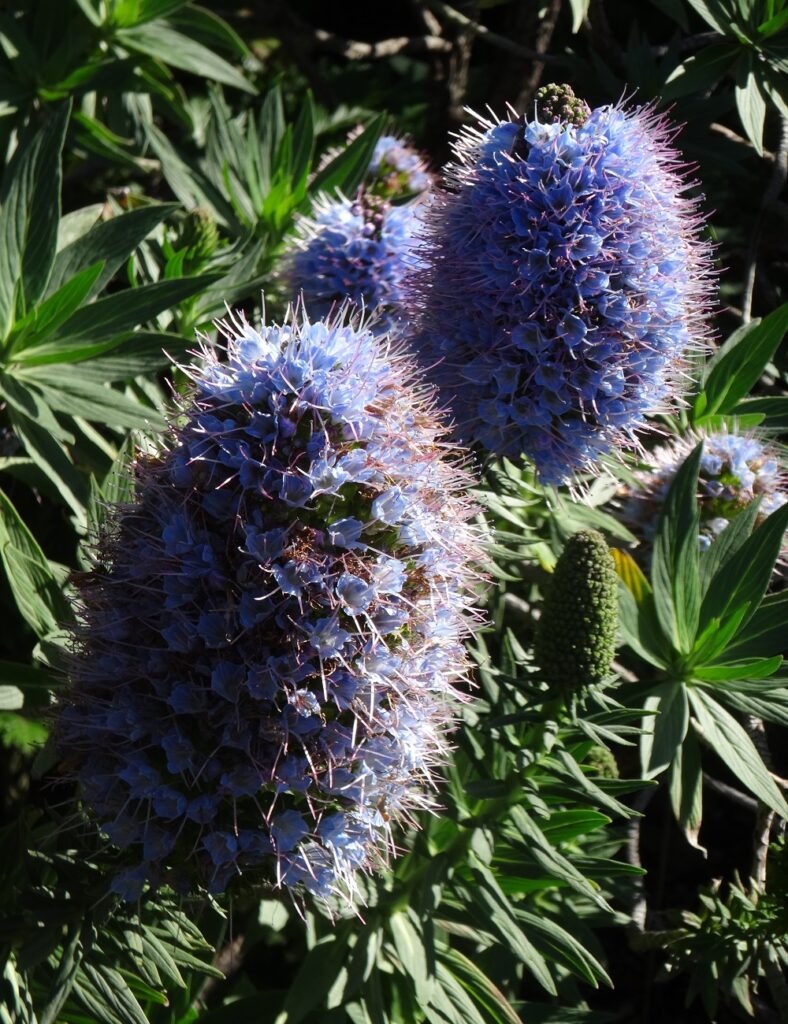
(29, 217)
(675, 572)
(731, 743)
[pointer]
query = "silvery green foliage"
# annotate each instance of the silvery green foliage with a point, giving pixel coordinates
(563, 278)
(735, 470)
(269, 645)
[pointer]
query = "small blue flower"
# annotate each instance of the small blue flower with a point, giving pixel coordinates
(354, 594)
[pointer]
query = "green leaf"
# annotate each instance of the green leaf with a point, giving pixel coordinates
(675, 569)
(685, 784)
(773, 410)
(701, 71)
(716, 14)
(11, 698)
(105, 319)
(30, 679)
(44, 319)
(209, 28)
(497, 916)
(111, 241)
(731, 743)
(742, 580)
(25, 403)
(764, 634)
(727, 543)
(106, 994)
(29, 217)
(579, 10)
(485, 991)
(346, 171)
(140, 11)
(65, 391)
(664, 727)
(315, 976)
(750, 102)
(90, 12)
(33, 584)
(26, 734)
(52, 459)
(761, 668)
(409, 945)
(564, 825)
(162, 41)
(551, 860)
(640, 628)
(561, 947)
(739, 363)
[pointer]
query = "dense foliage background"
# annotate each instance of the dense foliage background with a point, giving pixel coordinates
(608, 851)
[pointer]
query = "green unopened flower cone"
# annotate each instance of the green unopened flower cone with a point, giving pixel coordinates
(576, 636)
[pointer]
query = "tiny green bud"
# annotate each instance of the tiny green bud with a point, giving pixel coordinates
(559, 103)
(198, 235)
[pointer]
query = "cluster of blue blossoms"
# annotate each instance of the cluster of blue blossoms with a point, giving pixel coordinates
(271, 637)
(562, 277)
(357, 250)
(735, 470)
(397, 169)
(361, 249)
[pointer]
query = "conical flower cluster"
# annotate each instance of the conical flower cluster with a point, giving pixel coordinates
(562, 279)
(735, 470)
(358, 250)
(270, 640)
(575, 639)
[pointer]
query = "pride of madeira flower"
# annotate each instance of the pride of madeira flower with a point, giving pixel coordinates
(356, 250)
(265, 670)
(562, 278)
(735, 470)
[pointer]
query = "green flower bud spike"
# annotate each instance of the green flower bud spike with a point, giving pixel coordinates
(198, 235)
(576, 635)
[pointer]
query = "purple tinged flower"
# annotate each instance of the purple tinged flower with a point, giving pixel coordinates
(327, 637)
(354, 594)
(346, 533)
(242, 780)
(355, 250)
(222, 847)
(390, 506)
(287, 830)
(203, 809)
(568, 255)
(129, 883)
(227, 679)
(294, 576)
(735, 470)
(242, 668)
(388, 575)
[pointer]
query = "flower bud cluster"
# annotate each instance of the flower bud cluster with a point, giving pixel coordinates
(357, 250)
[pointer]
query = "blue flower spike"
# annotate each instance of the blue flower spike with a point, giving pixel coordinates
(563, 279)
(270, 642)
